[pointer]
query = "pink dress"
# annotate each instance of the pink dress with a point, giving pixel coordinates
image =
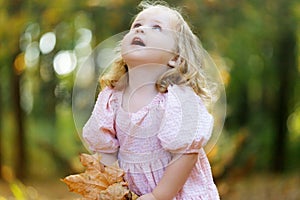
(146, 141)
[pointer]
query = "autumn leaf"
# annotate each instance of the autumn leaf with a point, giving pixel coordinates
(99, 182)
(116, 190)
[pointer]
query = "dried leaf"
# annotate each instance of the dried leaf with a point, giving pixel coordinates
(81, 184)
(92, 162)
(116, 191)
(115, 174)
(99, 182)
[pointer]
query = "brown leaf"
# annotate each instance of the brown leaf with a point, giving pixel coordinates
(92, 162)
(99, 182)
(83, 185)
(116, 191)
(115, 174)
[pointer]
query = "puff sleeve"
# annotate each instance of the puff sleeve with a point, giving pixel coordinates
(99, 131)
(186, 126)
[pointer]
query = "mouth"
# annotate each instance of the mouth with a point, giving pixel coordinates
(138, 41)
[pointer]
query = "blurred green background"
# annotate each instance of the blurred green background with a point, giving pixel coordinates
(255, 44)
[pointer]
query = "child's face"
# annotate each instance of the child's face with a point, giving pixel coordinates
(151, 38)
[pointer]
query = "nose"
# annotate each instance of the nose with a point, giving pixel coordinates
(140, 29)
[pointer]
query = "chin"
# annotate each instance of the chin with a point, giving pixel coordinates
(146, 57)
(137, 57)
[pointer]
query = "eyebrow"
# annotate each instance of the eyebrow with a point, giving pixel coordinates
(155, 20)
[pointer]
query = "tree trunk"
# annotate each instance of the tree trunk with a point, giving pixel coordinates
(20, 161)
(1, 137)
(14, 9)
(286, 63)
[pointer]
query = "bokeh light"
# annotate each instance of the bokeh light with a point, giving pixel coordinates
(64, 62)
(32, 54)
(47, 42)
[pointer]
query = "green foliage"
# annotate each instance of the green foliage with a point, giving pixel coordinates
(244, 34)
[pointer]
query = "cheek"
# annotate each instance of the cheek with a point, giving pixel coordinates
(166, 43)
(124, 44)
(125, 51)
(172, 44)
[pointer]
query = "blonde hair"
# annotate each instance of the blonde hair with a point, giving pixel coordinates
(189, 51)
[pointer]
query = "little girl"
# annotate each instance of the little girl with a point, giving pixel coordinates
(151, 114)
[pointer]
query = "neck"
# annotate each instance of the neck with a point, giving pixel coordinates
(144, 77)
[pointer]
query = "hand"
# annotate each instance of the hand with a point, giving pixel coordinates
(148, 196)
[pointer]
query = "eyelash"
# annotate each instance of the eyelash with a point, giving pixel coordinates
(158, 27)
(136, 25)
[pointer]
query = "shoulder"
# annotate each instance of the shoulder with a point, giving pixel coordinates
(107, 92)
(181, 91)
(108, 97)
(185, 105)
(182, 96)
(186, 123)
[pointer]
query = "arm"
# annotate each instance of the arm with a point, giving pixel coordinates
(173, 179)
(99, 132)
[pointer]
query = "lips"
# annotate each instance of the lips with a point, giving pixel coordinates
(138, 41)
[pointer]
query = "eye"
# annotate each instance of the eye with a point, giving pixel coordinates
(136, 25)
(157, 27)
